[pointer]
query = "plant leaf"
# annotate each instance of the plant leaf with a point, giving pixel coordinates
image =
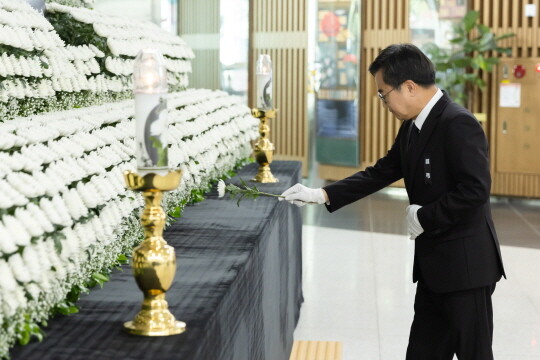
(470, 20)
(504, 36)
(483, 29)
(24, 337)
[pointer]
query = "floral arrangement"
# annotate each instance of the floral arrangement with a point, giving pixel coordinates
(120, 39)
(67, 129)
(75, 57)
(38, 72)
(65, 213)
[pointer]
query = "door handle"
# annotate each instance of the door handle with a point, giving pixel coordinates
(504, 127)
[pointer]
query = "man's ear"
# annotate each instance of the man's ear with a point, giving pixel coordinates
(410, 87)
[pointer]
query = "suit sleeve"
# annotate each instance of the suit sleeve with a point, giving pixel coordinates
(385, 171)
(468, 165)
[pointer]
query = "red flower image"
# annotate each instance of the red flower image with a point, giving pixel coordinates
(330, 25)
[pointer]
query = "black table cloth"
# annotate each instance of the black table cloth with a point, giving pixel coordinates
(238, 286)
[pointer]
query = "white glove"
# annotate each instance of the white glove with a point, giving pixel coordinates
(301, 195)
(413, 225)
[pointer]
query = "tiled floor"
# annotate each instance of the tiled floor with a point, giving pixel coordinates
(357, 278)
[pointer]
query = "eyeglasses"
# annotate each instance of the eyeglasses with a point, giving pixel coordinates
(383, 97)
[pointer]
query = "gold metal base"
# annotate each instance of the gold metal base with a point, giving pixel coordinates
(172, 329)
(153, 262)
(265, 176)
(155, 319)
(264, 149)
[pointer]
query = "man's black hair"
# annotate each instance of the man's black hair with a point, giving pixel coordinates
(402, 62)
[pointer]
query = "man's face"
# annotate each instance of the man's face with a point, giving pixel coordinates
(395, 100)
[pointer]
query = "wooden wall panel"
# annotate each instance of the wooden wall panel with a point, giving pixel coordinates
(505, 16)
(279, 28)
(203, 37)
(385, 22)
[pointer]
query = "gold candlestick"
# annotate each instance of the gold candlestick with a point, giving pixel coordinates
(264, 149)
(154, 262)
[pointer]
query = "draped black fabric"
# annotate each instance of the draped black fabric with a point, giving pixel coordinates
(238, 286)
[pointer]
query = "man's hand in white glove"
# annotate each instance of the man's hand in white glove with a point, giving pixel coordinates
(301, 195)
(413, 225)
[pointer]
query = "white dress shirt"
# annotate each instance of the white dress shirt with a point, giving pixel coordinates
(419, 121)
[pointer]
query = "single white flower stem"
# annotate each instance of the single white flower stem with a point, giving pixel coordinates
(267, 194)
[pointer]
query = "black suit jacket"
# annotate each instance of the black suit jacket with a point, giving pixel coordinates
(446, 172)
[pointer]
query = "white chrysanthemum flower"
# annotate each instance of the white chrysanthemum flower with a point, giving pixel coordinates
(62, 210)
(16, 230)
(89, 194)
(6, 200)
(40, 217)
(32, 263)
(13, 301)
(116, 212)
(7, 281)
(71, 267)
(75, 204)
(106, 225)
(221, 188)
(70, 244)
(7, 141)
(86, 237)
(7, 246)
(55, 260)
(33, 289)
(17, 69)
(45, 281)
(18, 268)
(30, 222)
(50, 211)
(40, 250)
(25, 67)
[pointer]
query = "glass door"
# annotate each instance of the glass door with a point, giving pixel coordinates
(337, 58)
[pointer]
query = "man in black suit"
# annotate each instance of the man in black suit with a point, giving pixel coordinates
(442, 154)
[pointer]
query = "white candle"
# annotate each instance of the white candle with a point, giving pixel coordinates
(150, 89)
(264, 82)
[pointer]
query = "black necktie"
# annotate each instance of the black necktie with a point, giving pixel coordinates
(413, 135)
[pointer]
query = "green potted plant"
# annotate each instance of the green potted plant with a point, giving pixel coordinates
(475, 47)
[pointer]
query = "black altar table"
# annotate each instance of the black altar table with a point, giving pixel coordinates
(238, 286)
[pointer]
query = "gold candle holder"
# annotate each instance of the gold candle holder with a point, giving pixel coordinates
(264, 149)
(154, 262)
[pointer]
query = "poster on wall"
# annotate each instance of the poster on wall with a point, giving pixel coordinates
(510, 95)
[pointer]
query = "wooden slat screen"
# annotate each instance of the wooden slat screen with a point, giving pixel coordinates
(279, 28)
(505, 16)
(198, 22)
(385, 22)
